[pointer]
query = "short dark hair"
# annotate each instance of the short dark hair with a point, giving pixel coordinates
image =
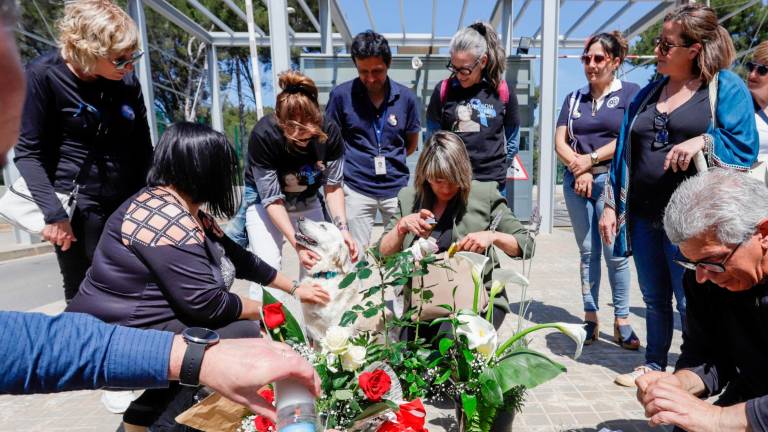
(199, 162)
(371, 44)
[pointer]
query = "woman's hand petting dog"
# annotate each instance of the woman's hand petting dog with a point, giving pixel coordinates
(415, 223)
(307, 258)
(312, 292)
(351, 245)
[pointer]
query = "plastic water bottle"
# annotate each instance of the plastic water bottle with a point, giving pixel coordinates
(295, 408)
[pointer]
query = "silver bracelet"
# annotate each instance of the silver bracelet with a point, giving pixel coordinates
(294, 287)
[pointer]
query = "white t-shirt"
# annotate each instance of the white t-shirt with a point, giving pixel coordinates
(762, 133)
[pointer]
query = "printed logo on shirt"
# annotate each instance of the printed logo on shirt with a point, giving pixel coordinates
(612, 102)
(127, 112)
(484, 111)
(299, 181)
(464, 122)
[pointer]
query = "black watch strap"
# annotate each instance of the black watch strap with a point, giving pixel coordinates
(190, 366)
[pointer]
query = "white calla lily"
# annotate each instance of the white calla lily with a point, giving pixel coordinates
(478, 264)
(506, 276)
(575, 332)
(481, 336)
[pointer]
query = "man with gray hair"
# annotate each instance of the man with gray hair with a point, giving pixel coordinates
(720, 221)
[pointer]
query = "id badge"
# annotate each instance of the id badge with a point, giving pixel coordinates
(380, 165)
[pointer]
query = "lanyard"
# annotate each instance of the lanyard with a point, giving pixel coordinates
(378, 126)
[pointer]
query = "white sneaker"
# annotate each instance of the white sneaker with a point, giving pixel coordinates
(628, 379)
(117, 402)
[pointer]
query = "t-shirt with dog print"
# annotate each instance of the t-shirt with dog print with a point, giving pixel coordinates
(280, 170)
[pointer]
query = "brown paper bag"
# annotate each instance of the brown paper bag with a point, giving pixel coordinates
(214, 414)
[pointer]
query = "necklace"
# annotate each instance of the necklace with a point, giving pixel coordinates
(665, 93)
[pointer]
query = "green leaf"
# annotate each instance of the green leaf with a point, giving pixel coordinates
(443, 378)
(490, 389)
(427, 296)
(372, 290)
(445, 345)
(340, 381)
(371, 312)
(348, 279)
(469, 403)
(376, 409)
(343, 394)
(447, 307)
(364, 273)
(526, 368)
(291, 329)
(348, 318)
(360, 264)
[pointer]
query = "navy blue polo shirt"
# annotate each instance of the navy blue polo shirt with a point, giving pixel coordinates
(594, 131)
(351, 108)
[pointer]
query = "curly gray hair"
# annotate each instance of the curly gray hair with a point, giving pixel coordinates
(729, 203)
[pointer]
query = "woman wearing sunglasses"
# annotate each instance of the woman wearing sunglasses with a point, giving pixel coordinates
(585, 141)
(757, 82)
(697, 106)
(85, 127)
(477, 104)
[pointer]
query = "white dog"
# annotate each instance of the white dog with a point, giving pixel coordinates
(325, 240)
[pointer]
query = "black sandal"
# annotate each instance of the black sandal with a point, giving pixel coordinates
(625, 336)
(592, 332)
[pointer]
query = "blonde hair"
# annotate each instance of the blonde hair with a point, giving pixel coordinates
(93, 29)
(761, 53)
(296, 107)
(700, 25)
(444, 157)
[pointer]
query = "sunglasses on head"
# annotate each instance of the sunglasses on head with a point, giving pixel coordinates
(665, 46)
(762, 69)
(462, 70)
(598, 58)
(123, 62)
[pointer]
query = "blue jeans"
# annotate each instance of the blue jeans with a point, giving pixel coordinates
(659, 278)
(585, 214)
(235, 229)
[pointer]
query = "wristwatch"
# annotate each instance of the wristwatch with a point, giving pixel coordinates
(595, 158)
(198, 339)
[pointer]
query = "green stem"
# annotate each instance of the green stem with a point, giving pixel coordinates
(520, 335)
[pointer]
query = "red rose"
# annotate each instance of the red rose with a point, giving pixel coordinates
(273, 315)
(374, 384)
(263, 424)
(412, 415)
(268, 395)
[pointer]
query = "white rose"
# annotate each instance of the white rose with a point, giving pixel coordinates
(353, 358)
(336, 339)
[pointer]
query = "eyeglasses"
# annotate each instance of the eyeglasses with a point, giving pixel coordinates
(762, 69)
(665, 46)
(123, 63)
(587, 59)
(705, 265)
(463, 70)
(660, 126)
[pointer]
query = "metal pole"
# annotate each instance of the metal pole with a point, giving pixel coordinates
(278, 38)
(217, 121)
(326, 27)
(550, 17)
(507, 15)
(255, 72)
(143, 70)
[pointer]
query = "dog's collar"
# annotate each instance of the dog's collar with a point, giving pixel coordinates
(325, 275)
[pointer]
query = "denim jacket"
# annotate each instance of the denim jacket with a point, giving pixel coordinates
(734, 142)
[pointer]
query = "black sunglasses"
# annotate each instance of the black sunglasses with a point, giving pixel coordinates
(762, 69)
(660, 126)
(706, 265)
(463, 70)
(587, 59)
(123, 62)
(665, 46)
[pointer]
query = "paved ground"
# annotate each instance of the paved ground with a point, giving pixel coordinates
(584, 399)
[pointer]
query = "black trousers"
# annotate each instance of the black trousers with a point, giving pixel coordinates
(87, 226)
(158, 408)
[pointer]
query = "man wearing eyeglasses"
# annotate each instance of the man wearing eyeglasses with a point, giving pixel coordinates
(379, 122)
(719, 219)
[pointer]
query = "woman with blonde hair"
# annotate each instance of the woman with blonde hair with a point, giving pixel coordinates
(445, 204)
(757, 82)
(697, 106)
(84, 129)
(292, 154)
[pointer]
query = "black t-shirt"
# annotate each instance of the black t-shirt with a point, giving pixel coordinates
(64, 119)
(478, 115)
(280, 170)
(651, 186)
